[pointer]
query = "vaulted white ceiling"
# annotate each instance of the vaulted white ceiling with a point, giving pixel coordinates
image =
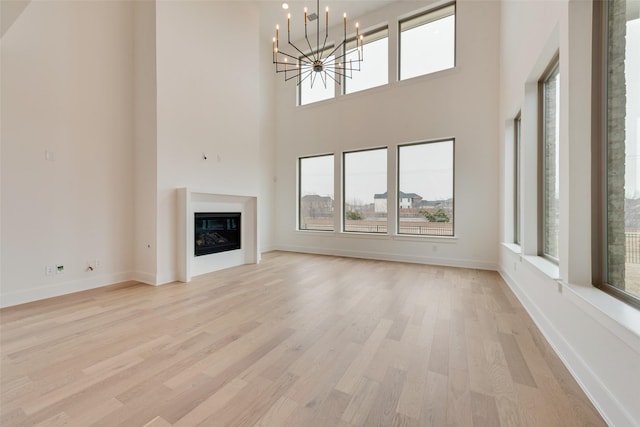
(272, 13)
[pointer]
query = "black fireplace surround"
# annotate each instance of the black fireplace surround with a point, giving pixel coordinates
(216, 232)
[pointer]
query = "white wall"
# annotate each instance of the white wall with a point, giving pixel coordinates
(267, 139)
(597, 336)
(460, 103)
(209, 102)
(145, 154)
(127, 96)
(66, 89)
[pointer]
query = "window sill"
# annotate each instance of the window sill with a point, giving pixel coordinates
(515, 248)
(433, 75)
(544, 265)
(619, 317)
(436, 239)
(361, 235)
(380, 236)
(343, 234)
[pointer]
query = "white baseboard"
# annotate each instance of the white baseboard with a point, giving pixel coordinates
(143, 277)
(61, 288)
(383, 256)
(612, 410)
(266, 249)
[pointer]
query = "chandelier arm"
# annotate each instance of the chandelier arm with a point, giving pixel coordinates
(324, 45)
(308, 74)
(332, 78)
(318, 27)
(343, 75)
(286, 79)
(350, 65)
(336, 48)
(313, 78)
(323, 77)
(292, 57)
(302, 53)
(313, 53)
(331, 62)
(346, 72)
(289, 70)
(343, 56)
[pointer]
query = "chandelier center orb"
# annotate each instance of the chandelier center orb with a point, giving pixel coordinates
(318, 66)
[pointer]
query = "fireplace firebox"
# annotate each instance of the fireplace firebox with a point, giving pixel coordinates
(216, 232)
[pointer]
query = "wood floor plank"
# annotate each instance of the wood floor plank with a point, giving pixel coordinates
(357, 368)
(484, 410)
(298, 340)
(278, 413)
(504, 391)
(362, 401)
(459, 411)
(401, 420)
(516, 362)
(434, 404)
(384, 407)
(331, 410)
(439, 357)
(212, 404)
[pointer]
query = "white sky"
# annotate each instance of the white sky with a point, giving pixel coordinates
(317, 176)
(428, 48)
(374, 69)
(365, 175)
(427, 170)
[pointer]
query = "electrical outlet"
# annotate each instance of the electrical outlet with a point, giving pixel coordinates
(60, 269)
(97, 263)
(50, 270)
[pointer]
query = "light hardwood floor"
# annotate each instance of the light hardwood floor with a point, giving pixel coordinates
(299, 340)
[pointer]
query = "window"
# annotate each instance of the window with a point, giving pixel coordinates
(374, 70)
(315, 202)
(317, 86)
(517, 149)
(550, 184)
(365, 191)
(619, 138)
(425, 188)
(427, 42)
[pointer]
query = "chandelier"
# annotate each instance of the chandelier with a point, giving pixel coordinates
(321, 61)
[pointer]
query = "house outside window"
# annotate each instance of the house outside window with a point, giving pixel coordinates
(427, 168)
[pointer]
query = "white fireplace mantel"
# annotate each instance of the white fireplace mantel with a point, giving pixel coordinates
(190, 202)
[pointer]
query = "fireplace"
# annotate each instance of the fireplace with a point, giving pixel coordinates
(216, 232)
